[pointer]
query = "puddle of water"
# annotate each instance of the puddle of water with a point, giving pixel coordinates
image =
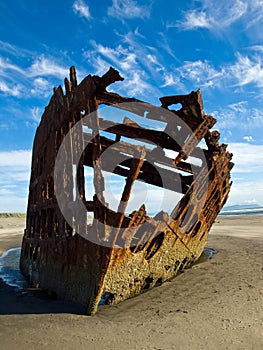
(209, 252)
(206, 255)
(9, 269)
(104, 298)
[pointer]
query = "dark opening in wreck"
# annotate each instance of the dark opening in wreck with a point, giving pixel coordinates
(119, 254)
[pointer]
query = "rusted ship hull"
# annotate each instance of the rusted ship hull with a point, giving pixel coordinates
(117, 256)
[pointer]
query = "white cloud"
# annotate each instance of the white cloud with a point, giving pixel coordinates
(134, 56)
(213, 15)
(136, 63)
(36, 114)
(10, 90)
(233, 11)
(241, 192)
(172, 79)
(202, 73)
(256, 48)
(6, 66)
(28, 81)
(136, 85)
(244, 71)
(120, 56)
(41, 86)
(15, 158)
(128, 9)
(14, 179)
(18, 175)
(5, 191)
(41, 83)
(82, 9)
(169, 80)
(14, 50)
(164, 45)
(147, 56)
(247, 70)
(239, 116)
(247, 173)
(193, 20)
(248, 158)
(13, 204)
(239, 107)
(43, 66)
(248, 138)
(218, 16)
(100, 64)
(256, 12)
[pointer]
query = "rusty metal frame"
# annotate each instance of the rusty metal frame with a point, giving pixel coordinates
(58, 259)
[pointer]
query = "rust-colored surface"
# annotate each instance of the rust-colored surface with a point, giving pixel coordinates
(131, 252)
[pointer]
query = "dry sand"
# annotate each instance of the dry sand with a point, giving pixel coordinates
(217, 304)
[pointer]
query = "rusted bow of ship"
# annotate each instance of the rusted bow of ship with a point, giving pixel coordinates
(118, 254)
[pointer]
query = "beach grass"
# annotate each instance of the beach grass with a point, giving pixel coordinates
(12, 215)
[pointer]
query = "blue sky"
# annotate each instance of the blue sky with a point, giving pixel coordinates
(160, 47)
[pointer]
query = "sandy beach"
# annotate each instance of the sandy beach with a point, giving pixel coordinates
(217, 304)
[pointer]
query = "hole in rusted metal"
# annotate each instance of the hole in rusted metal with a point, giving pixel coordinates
(176, 265)
(196, 229)
(187, 215)
(148, 282)
(159, 282)
(192, 223)
(203, 234)
(154, 246)
(183, 264)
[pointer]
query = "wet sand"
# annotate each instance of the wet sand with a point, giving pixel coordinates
(217, 304)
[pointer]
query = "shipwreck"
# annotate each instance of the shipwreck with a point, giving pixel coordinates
(75, 244)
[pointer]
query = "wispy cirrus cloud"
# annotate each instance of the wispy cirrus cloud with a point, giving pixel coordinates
(134, 59)
(36, 114)
(214, 15)
(11, 90)
(193, 19)
(14, 50)
(81, 8)
(128, 9)
(258, 48)
(41, 86)
(39, 63)
(136, 63)
(240, 116)
(137, 85)
(247, 70)
(7, 66)
(171, 79)
(203, 73)
(18, 115)
(244, 70)
(120, 56)
(255, 12)
(14, 79)
(44, 66)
